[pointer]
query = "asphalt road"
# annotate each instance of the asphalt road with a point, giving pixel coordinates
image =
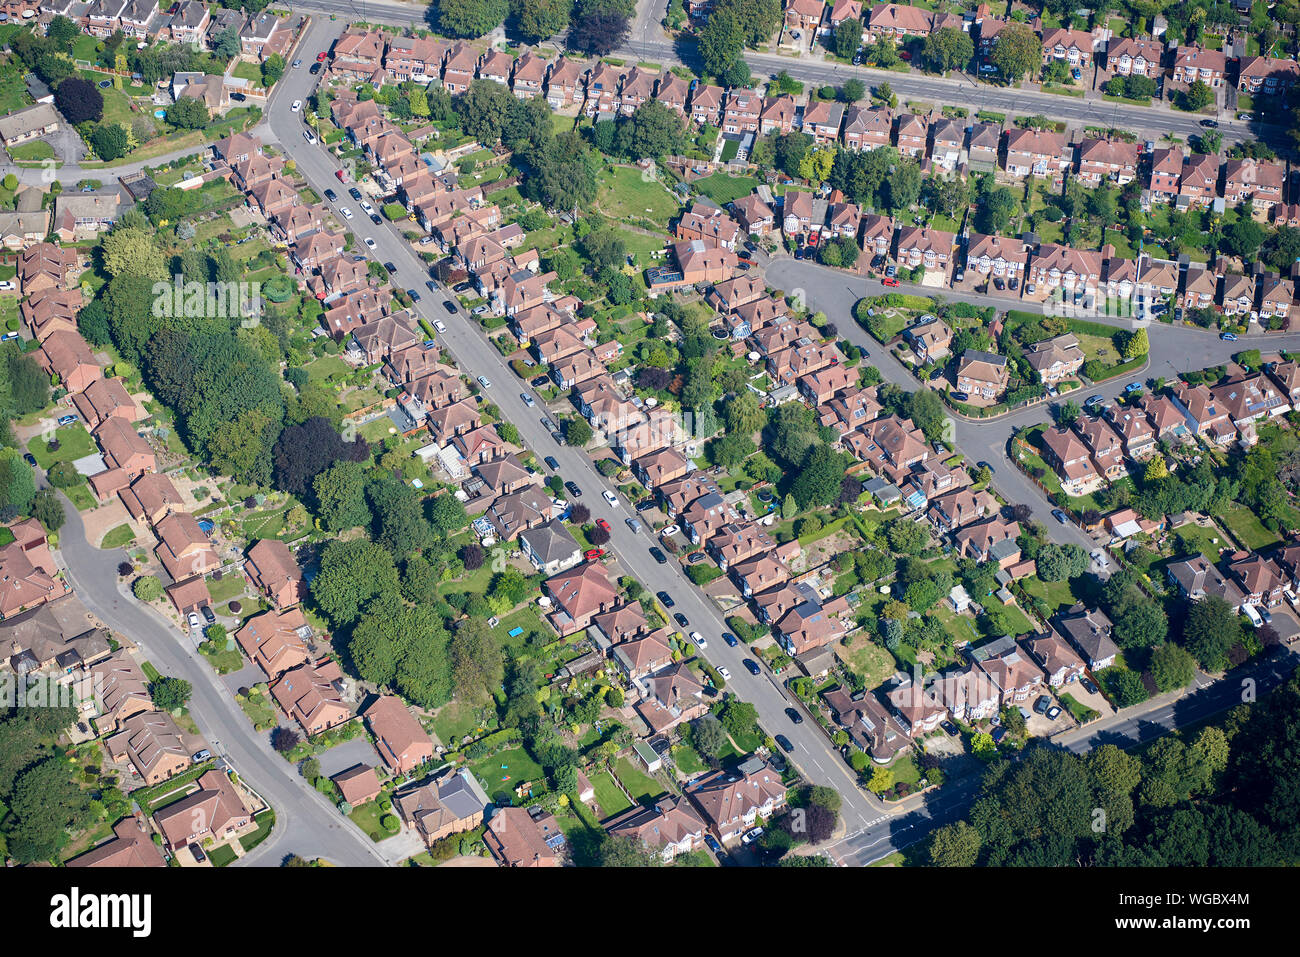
(475, 355)
(306, 823)
(648, 42)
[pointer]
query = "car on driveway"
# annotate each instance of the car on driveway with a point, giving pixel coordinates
(665, 598)
(609, 496)
(658, 555)
(958, 396)
(682, 620)
(1132, 387)
(948, 726)
(752, 836)
(752, 666)
(794, 716)
(712, 843)
(573, 489)
(320, 57)
(694, 558)
(552, 463)
(699, 640)
(207, 613)
(1052, 713)
(785, 744)
(594, 554)
(1098, 556)
(539, 383)
(67, 419)
(1088, 686)
(1042, 703)
(668, 530)
(194, 621)
(730, 639)
(201, 755)
(30, 459)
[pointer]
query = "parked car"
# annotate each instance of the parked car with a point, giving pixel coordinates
(1088, 686)
(355, 194)
(315, 68)
(332, 196)
(1094, 400)
(665, 598)
(310, 137)
(609, 497)
(891, 270)
(374, 218)
(391, 267)
(67, 419)
(603, 523)
(889, 281)
(440, 325)
(201, 755)
(1042, 703)
(958, 396)
(1053, 713)
(414, 294)
(594, 554)
(431, 285)
(724, 674)
(30, 459)
(1059, 516)
(552, 463)
(208, 615)
(698, 640)
(633, 523)
(794, 716)
(449, 306)
(1132, 387)
(484, 381)
(295, 106)
(1228, 336)
(986, 465)
(658, 555)
(528, 399)
(730, 639)
(645, 505)
(682, 620)
(785, 744)
(752, 836)
(669, 530)
(948, 727)
(712, 843)
(752, 666)
(694, 558)
(194, 620)
(573, 489)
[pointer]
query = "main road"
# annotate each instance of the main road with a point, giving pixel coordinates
(465, 341)
(648, 42)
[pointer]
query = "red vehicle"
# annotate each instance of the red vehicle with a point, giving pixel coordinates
(339, 173)
(888, 281)
(594, 554)
(320, 57)
(603, 524)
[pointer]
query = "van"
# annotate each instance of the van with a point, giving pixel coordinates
(1252, 615)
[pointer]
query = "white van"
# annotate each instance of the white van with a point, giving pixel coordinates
(1252, 615)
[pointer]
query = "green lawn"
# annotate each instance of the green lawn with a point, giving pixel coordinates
(230, 586)
(221, 856)
(640, 785)
(960, 627)
(454, 720)
(609, 798)
(118, 537)
(868, 660)
(1056, 594)
(326, 368)
(624, 194)
(1079, 711)
(249, 71)
(723, 188)
(502, 772)
(1207, 540)
(32, 152)
(74, 443)
(1247, 528)
(366, 816)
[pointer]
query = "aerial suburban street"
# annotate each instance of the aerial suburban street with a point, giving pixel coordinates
(813, 754)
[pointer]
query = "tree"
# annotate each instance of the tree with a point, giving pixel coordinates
(477, 663)
(851, 91)
(1211, 629)
(1172, 666)
(351, 574)
(1061, 562)
(340, 492)
(1156, 469)
(1136, 344)
(304, 451)
(955, 845)
(598, 536)
(708, 736)
(1197, 97)
(653, 131)
(818, 481)
(147, 588)
(272, 70)
(721, 40)
(46, 804)
(1017, 52)
(79, 100)
(48, 510)
(541, 19)
(627, 852)
(848, 37)
(948, 48)
(226, 44)
(170, 694)
(109, 141)
(63, 33)
(577, 432)
(285, 739)
(471, 18)
(17, 483)
(884, 52)
(1242, 238)
(189, 113)
(598, 34)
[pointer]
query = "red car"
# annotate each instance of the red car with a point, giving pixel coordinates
(603, 524)
(339, 174)
(888, 281)
(594, 554)
(320, 57)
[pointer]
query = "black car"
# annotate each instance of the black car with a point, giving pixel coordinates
(315, 68)
(666, 598)
(461, 287)
(658, 555)
(730, 639)
(355, 193)
(1210, 124)
(208, 616)
(573, 489)
(794, 716)
(391, 267)
(1059, 516)
(646, 505)
(29, 459)
(559, 437)
(681, 620)
(1088, 686)
(752, 666)
(948, 727)
(331, 195)
(374, 218)
(986, 465)
(551, 463)
(414, 294)
(540, 382)
(786, 746)
(449, 306)
(431, 286)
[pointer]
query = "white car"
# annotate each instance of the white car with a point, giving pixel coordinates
(726, 675)
(1099, 557)
(699, 641)
(297, 63)
(440, 326)
(670, 530)
(347, 213)
(366, 207)
(752, 836)
(296, 106)
(528, 399)
(485, 382)
(7, 284)
(370, 243)
(194, 620)
(610, 497)
(309, 136)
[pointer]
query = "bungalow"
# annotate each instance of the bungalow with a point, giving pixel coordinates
(153, 744)
(213, 812)
(1196, 577)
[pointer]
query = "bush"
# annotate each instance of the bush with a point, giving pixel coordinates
(147, 588)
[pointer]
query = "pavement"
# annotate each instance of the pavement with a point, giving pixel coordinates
(475, 355)
(306, 823)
